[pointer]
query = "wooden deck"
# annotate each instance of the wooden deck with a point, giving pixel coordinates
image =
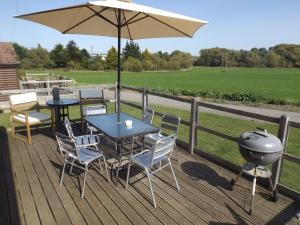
(30, 193)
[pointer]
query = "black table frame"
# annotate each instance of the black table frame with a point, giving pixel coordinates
(119, 140)
(59, 109)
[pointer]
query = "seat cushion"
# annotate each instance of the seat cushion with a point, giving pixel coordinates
(86, 140)
(87, 155)
(144, 160)
(33, 117)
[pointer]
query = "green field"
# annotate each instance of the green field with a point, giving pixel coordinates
(279, 84)
(222, 148)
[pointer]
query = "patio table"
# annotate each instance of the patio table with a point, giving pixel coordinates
(59, 106)
(108, 125)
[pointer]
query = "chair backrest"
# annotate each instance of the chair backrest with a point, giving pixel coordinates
(67, 146)
(148, 115)
(91, 95)
(23, 102)
(170, 124)
(69, 128)
(94, 110)
(163, 149)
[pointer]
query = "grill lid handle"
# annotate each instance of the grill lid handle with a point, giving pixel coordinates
(265, 133)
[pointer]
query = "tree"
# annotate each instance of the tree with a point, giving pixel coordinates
(60, 56)
(20, 51)
(180, 60)
(132, 64)
(146, 55)
(112, 59)
(272, 59)
(73, 51)
(37, 58)
(132, 49)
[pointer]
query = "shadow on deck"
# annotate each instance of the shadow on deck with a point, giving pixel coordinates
(30, 192)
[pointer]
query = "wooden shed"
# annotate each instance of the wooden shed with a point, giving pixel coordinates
(8, 68)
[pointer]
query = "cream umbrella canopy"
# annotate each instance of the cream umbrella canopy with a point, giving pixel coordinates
(117, 18)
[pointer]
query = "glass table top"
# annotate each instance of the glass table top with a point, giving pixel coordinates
(108, 125)
(62, 102)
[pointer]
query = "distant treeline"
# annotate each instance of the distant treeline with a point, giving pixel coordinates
(72, 57)
(283, 55)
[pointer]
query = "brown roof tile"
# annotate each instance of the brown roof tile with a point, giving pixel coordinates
(7, 54)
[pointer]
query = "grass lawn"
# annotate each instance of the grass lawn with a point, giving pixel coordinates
(220, 147)
(280, 84)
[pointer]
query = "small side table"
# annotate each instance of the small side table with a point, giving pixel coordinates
(61, 108)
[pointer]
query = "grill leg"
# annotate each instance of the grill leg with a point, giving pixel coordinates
(253, 191)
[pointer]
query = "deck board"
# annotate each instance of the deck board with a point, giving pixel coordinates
(30, 192)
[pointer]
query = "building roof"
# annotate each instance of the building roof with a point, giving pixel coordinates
(7, 54)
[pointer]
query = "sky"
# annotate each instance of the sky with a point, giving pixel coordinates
(234, 24)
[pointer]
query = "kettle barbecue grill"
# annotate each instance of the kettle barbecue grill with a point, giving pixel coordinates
(259, 149)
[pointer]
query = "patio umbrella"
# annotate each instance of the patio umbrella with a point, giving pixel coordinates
(117, 18)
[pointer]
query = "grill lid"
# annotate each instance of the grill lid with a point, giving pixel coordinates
(260, 141)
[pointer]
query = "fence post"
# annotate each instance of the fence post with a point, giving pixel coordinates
(282, 135)
(115, 97)
(193, 124)
(147, 97)
(145, 102)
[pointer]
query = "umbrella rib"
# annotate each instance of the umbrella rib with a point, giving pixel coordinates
(168, 25)
(132, 18)
(81, 22)
(127, 25)
(104, 18)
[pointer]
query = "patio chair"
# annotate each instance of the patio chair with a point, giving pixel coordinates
(90, 140)
(89, 97)
(147, 160)
(78, 156)
(92, 111)
(25, 109)
(169, 125)
(148, 115)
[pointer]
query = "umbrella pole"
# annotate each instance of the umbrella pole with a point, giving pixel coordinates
(119, 66)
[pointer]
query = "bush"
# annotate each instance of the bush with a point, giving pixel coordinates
(73, 65)
(133, 65)
(148, 65)
(173, 65)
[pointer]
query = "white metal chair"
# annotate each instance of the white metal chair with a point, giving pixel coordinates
(160, 154)
(93, 111)
(78, 156)
(90, 140)
(169, 125)
(148, 115)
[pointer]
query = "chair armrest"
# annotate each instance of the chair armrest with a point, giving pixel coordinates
(13, 111)
(141, 153)
(19, 112)
(166, 138)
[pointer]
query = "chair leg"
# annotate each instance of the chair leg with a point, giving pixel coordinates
(127, 178)
(178, 188)
(62, 174)
(105, 165)
(100, 164)
(83, 186)
(13, 129)
(28, 133)
(151, 189)
(71, 168)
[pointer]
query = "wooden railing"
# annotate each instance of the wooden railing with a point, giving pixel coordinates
(283, 122)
